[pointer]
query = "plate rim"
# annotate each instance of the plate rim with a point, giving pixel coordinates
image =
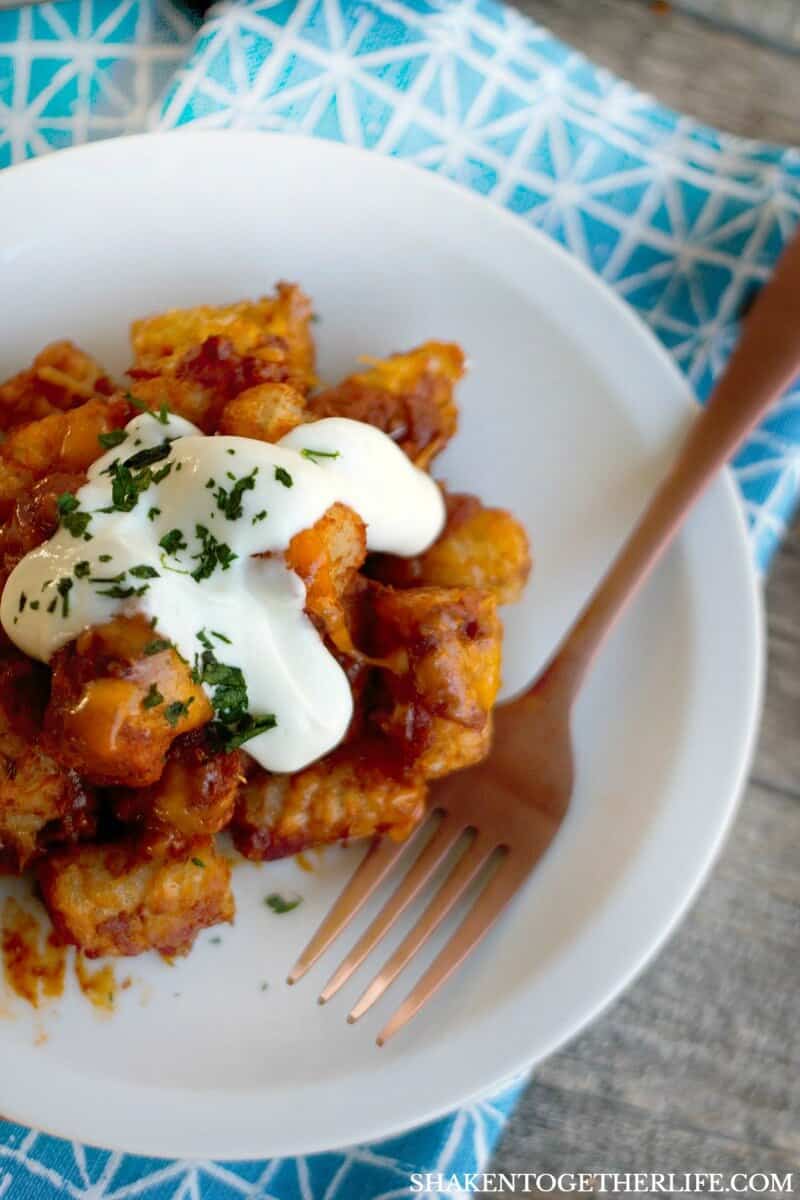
(185, 1147)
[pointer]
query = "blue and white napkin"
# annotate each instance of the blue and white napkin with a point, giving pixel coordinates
(682, 221)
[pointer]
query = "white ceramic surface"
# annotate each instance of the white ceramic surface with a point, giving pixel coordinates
(568, 413)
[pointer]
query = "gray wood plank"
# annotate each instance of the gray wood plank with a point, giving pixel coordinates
(697, 1067)
(718, 76)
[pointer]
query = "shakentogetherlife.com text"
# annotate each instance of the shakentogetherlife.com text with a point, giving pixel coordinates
(610, 1183)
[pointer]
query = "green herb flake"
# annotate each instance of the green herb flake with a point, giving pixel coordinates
(35, 605)
(283, 476)
(230, 502)
(82, 569)
(229, 451)
(108, 578)
(233, 724)
(163, 472)
(152, 513)
(115, 437)
(23, 600)
(236, 733)
(315, 455)
(149, 456)
(156, 646)
(142, 571)
(64, 587)
(124, 593)
(70, 515)
(260, 516)
(105, 557)
(221, 637)
(173, 541)
(213, 554)
(66, 503)
(51, 608)
(177, 709)
(153, 697)
(198, 862)
(280, 905)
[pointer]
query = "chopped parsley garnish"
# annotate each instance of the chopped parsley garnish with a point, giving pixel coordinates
(280, 905)
(238, 732)
(153, 697)
(23, 600)
(124, 593)
(230, 502)
(177, 709)
(126, 487)
(173, 541)
(143, 572)
(198, 862)
(231, 451)
(156, 646)
(260, 516)
(221, 637)
(64, 587)
(105, 557)
(108, 578)
(313, 455)
(233, 724)
(82, 569)
(35, 605)
(115, 437)
(213, 554)
(70, 515)
(211, 482)
(148, 456)
(134, 476)
(66, 503)
(161, 416)
(283, 476)
(230, 689)
(152, 513)
(52, 605)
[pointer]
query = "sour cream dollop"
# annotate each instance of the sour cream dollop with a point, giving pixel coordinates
(168, 525)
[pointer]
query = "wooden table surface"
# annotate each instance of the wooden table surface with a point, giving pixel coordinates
(697, 1067)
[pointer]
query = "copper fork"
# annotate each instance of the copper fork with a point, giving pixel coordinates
(513, 804)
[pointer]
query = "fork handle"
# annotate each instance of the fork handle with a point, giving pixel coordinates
(764, 363)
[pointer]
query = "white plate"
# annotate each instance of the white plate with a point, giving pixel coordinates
(568, 413)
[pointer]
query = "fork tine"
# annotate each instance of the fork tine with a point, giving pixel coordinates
(445, 837)
(457, 881)
(372, 870)
(504, 883)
